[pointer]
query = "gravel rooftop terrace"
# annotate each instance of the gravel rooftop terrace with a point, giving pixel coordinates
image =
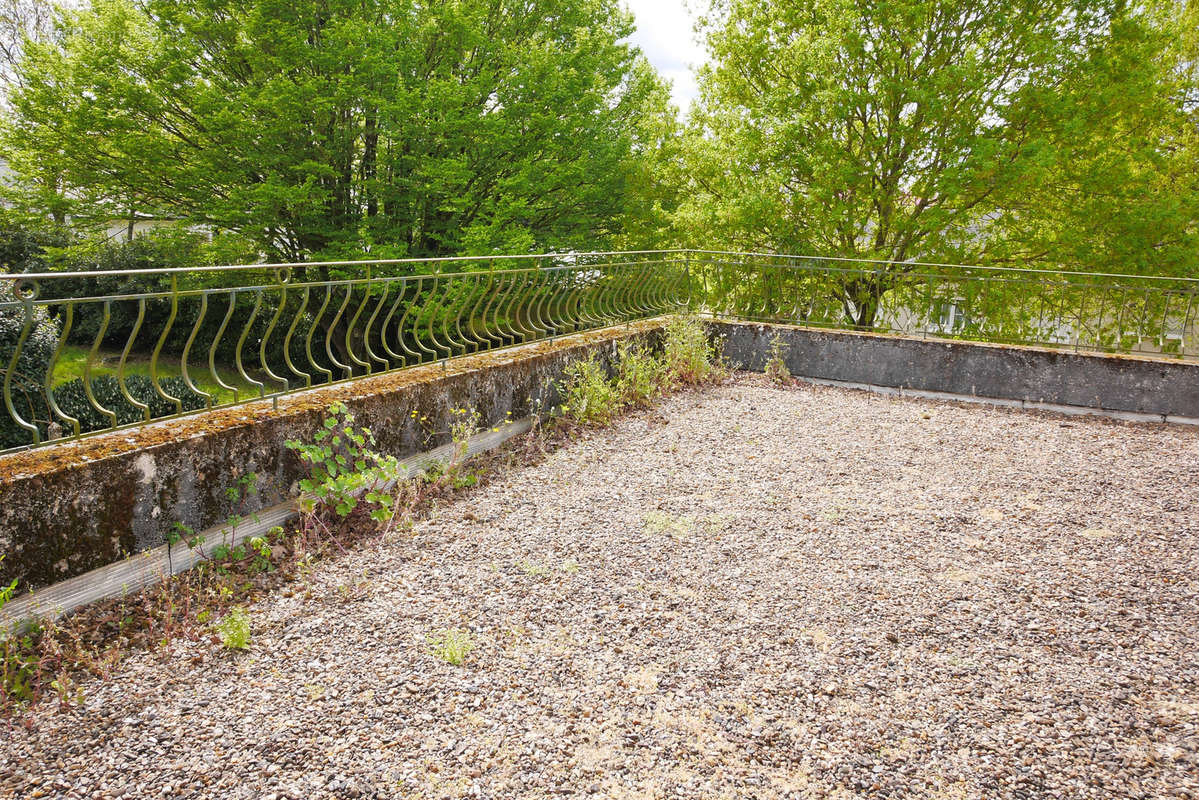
(749, 592)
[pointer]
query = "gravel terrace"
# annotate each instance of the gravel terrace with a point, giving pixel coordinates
(749, 592)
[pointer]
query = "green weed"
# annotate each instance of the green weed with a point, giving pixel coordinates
(451, 645)
(776, 363)
(234, 629)
(589, 398)
(691, 359)
(657, 524)
(640, 376)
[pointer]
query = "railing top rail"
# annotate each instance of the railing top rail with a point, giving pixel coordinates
(1015, 271)
(17, 276)
(943, 265)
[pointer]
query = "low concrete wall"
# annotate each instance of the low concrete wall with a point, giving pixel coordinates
(74, 506)
(1162, 389)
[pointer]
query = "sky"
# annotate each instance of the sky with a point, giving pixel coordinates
(665, 34)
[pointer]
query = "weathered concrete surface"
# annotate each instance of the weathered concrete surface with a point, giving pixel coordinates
(1028, 374)
(75, 506)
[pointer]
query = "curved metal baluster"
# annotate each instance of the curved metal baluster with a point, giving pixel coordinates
(527, 290)
(488, 314)
(509, 336)
(470, 341)
(549, 295)
(266, 336)
(512, 311)
(370, 322)
(418, 317)
(560, 306)
(386, 326)
(216, 340)
(651, 297)
(241, 340)
(291, 330)
(141, 316)
(636, 291)
(187, 348)
(1190, 319)
(346, 368)
(670, 279)
(645, 288)
(570, 293)
(588, 281)
(87, 367)
(537, 302)
(349, 338)
(483, 340)
(451, 309)
(620, 307)
(597, 288)
(49, 376)
(26, 297)
(616, 297)
(402, 329)
(162, 338)
(316, 324)
(435, 305)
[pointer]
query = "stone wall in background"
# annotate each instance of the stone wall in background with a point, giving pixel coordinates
(1030, 376)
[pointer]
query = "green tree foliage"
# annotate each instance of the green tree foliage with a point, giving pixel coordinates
(944, 130)
(335, 128)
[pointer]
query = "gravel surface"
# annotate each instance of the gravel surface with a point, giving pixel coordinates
(749, 592)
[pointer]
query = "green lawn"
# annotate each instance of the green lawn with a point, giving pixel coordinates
(72, 360)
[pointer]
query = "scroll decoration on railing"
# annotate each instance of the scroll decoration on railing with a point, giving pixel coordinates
(86, 352)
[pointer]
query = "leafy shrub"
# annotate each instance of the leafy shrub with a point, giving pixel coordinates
(589, 398)
(689, 355)
(345, 467)
(639, 375)
(25, 244)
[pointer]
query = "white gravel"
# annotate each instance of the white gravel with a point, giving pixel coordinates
(750, 592)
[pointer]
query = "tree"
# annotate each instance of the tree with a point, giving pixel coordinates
(915, 129)
(21, 20)
(338, 127)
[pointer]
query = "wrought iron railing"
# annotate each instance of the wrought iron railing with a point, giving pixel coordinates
(1150, 316)
(84, 352)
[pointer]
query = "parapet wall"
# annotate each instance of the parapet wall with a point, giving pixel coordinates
(79, 505)
(75, 506)
(1032, 376)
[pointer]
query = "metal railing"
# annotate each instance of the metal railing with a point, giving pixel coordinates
(1093, 312)
(86, 352)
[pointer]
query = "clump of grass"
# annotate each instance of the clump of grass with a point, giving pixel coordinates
(234, 629)
(451, 645)
(657, 524)
(776, 363)
(532, 568)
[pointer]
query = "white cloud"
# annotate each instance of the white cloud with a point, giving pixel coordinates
(665, 33)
